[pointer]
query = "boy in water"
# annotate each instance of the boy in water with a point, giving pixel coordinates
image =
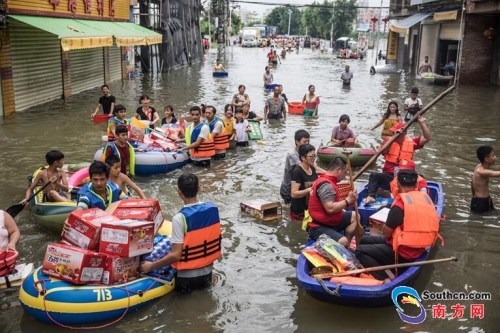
(55, 192)
(413, 104)
(123, 149)
(121, 179)
(481, 201)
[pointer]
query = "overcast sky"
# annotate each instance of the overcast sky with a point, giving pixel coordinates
(261, 9)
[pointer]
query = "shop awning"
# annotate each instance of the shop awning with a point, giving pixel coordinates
(125, 33)
(82, 34)
(73, 34)
(405, 24)
(445, 16)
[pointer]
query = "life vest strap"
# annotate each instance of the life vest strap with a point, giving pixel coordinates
(200, 251)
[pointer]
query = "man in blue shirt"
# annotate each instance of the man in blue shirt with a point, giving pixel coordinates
(100, 192)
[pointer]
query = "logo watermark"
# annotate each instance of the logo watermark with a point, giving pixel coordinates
(404, 295)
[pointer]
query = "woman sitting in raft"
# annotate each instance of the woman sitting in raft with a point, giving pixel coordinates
(343, 136)
(303, 176)
(390, 118)
(171, 122)
(9, 232)
(147, 112)
(311, 101)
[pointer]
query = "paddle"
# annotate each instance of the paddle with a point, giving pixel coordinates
(319, 272)
(16, 209)
(407, 125)
(359, 231)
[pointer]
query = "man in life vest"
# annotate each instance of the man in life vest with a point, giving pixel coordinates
(326, 208)
(122, 149)
(412, 227)
(196, 239)
(199, 141)
(407, 165)
(100, 192)
(402, 148)
(119, 118)
(218, 131)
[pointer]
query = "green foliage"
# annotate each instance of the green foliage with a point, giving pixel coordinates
(279, 17)
(317, 21)
(345, 12)
(236, 23)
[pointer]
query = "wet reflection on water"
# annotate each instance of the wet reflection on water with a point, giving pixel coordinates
(256, 288)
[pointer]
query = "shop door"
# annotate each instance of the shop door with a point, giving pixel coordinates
(86, 69)
(115, 63)
(36, 65)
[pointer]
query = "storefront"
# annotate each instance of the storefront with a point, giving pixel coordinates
(59, 50)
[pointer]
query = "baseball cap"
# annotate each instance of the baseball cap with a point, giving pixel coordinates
(406, 165)
(397, 127)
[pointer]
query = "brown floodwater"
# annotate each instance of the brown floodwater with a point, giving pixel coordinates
(256, 288)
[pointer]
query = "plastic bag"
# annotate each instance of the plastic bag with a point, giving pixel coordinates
(338, 255)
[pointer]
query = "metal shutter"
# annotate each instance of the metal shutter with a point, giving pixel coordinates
(450, 31)
(36, 65)
(86, 69)
(115, 63)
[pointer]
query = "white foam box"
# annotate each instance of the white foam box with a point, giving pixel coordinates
(127, 238)
(120, 270)
(138, 209)
(262, 209)
(82, 228)
(377, 221)
(73, 264)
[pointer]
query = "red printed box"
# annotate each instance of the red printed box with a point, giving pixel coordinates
(140, 209)
(73, 264)
(120, 270)
(83, 227)
(127, 238)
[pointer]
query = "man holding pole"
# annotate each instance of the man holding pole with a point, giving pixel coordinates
(412, 226)
(402, 148)
(326, 208)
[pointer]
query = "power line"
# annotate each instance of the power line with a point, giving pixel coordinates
(294, 5)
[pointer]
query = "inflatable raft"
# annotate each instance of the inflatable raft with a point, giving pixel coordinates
(361, 291)
(220, 74)
(361, 153)
(50, 215)
(155, 162)
(436, 79)
(59, 302)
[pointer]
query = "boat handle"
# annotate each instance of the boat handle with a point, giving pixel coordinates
(335, 292)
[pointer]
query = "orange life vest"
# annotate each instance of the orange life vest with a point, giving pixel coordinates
(317, 210)
(206, 149)
(399, 152)
(420, 227)
(202, 242)
(421, 183)
(221, 140)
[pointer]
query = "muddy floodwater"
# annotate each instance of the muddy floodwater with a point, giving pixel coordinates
(256, 288)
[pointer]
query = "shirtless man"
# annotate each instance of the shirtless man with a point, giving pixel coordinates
(425, 66)
(55, 192)
(481, 201)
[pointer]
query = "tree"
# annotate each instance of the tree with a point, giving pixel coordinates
(279, 18)
(344, 13)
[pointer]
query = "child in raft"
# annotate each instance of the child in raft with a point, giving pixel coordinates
(241, 129)
(390, 118)
(342, 136)
(56, 191)
(121, 179)
(170, 122)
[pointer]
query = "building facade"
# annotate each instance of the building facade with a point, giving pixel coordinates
(52, 49)
(447, 33)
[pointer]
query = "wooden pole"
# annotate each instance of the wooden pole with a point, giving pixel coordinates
(407, 125)
(359, 231)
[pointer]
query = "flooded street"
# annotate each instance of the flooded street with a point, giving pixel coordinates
(256, 289)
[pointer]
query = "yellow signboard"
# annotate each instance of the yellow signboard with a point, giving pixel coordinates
(392, 45)
(116, 10)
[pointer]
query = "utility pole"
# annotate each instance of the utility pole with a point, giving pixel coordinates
(289, 20)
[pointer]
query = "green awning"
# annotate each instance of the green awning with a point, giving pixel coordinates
(73, 34)
(126, 33)
(81, 34)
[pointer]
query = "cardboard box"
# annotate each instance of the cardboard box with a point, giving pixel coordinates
(138, 209)
(120, 270)
(73, 264)
(262, 209)
(377, 221)
(83, 227)
(127, 238)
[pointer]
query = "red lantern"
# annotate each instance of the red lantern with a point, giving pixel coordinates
(374, 20)
(385, 20)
